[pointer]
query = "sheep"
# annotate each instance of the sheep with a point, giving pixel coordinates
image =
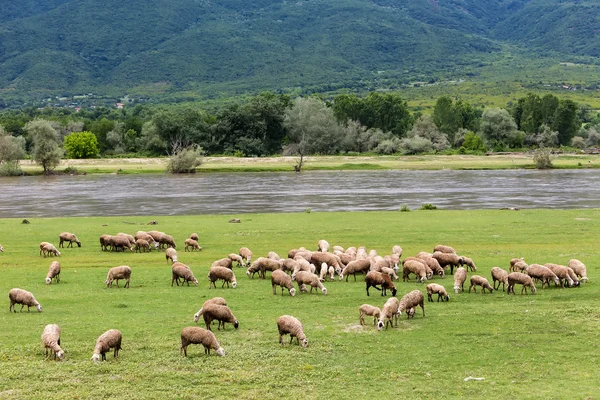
(223, 262)
(388, 313)
(215, 300)
(434, 288)
(180, 270)
(261, 265)
(501, 276)
(448, 259)
(305, 254)
(397, 250)
(156, 235)
(307, 278)
(577, 266)
(414, 266)
(389, 272)
(303, 265)
(53, 273)
(42, 245)
(459, 279)
(357, 266)
(444, 249)
(521, 278)
(246, 254)
(104, 242)
(286, 324)
(192, 244)
(68, 237)
(254, 268)
(367, 309)
(344, 258)
(51, 341)
(477, 280)
(167, 241)
(330, 259)
(563, 273)
(128, 236)
(410, 300)
(432, 263)
(194, 236)
(278, 277)
(226, 274)
(171, 253)
(142, 244)
(338, 248)
(361, 253)
(519, 266)
(238, 259)
(108, 340)
(149, 238)
(323, 273)
(410, 313)
(48, 249)
(23, 297)
(544, 274)
(221, 313)
(513, 262)
(289, 265)
(116, 273)
(197, 335)
(119, 242)
(323, 246)
(273, 256)
(469, 263)
(375, 278)
(141, 235)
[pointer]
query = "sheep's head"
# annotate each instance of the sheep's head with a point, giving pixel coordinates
(60, 354)
(48, 281)
(294, 276)
(533, 290)
(380, 324)
(341, 276)
(236, 324)
(292, 292)
(197, 316)
(447, 298)
(456, 289)
(78, 243)
(96, 357)
(196, 282)
(324, 290)
(234, 284)
(248, 272)
(1, 249)
(220, 351)
(39, 307)
(304, 343)
(394, 291)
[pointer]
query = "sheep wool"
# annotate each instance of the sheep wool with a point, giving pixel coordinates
(238, 259)
(522, 279)
(214, 300)
(182, 271)
(110, 339)
(543, 274)
(311, 279)
(280, 278)
(448, 259)
(286, 324)
(415, 266)
(194, 236)
(68, 237)
(577, 266)
(459, 279)
(367, 309)
(477, 280)
(227, 275)
(444, 249)
(501, 276)
(412, 299)
(171, 254)
(323, 245)
(389, 312)
(357, 266)
(374, 278)
(191, 245)
(223, 314)
(223, 262)
(197, 335)
(246, 254)
(51, 341)
(53, 273)
(434, 288)
(397, 250)
(23, 297)
(116, 273)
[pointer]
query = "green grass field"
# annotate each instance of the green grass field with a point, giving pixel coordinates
(539, 346)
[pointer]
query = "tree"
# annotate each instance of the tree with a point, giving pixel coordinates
(12, 149)
(474, 142)
(81, 145)
(425, 128)
(46, 149)
(185, 160)
(566, 121)
(181, 128)
(498, 127)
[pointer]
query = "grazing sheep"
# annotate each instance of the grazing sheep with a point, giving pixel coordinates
(197, 335)
(278, 277)
(246, 254)
(273, 256)
(194, 236)
(116, 273)
(519, 266)
(104, 242)
(167, 241)
(142, 244)
(119, 242)
(367, 309)
(303, 265)
(338, 248)
(307, 278)
(192, 244)
(448, 259)
(501, 276)
(68, 237)
(344, 258)
(171, 253)
(330, 259)
(289, 265)
(226, 274)
(410, 313)
(414, 266)
(108, 340)
(389, 272)
(51, 341)
(397, 250)
(180, 270)
(323, 246)
(513, 262)
(48, 249)
(286, 324)
(305, 254)
(215, 300)
(520, 278)
(389, 312)
(53, 273)
(24, 298)
(459, 279)
(128, 236)
(223, 262)
(361, 253)
(410, 300)
(261, 265)
(221, 313)
(469, 263)
(375, 278)
(477, 280)
(433, 264)
(148, 238)
(323, 273)
(361, 266)
(238, 259)
(577, 266)
(444, 249)
(544, 274)
(434, 288)
(141, 235)
(563, 274)
(156, 235)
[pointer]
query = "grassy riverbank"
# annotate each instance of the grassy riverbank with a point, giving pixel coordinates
(239, 164)
(524, 346)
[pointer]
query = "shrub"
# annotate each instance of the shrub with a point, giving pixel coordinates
(578, 142)
(416, 145)
(10, 168)
(541, 158)
(185, 160)
(428, 206)
(474, 142)
(81, 145)
(388, 146)
(404, 208)
(46, 150)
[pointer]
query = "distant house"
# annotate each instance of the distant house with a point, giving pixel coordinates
(119, 105)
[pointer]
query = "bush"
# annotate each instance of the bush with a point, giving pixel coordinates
(81, 145)
(10, 168)
(185, 160)
(388, 146)
(578, 142)
(474, 142)
(428, 206)
(404, 208)
(416, 145)
(541, 158)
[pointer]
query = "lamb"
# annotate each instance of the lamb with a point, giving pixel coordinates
(410, 300)
(192, 244)
(226, 274)
(53, 273)
(246, 254)
(521, 278)
(24, 298)
(375, 278)
(469, 263)
(68, 237)
(180, 270)
(221, 313)
(414, 266)
(197, 335)
(142, 244)
(286, 324)
(448, 259)
(51, 341)
(48, 249)
(389, 312)
(108, 340)
(361, 266)
(563, 273)
(278, 277)
(444, 249)
(171, 253)
(477, 280)
(459, 279)
(116, 273)
(119, 242)
(577, 266)
(434, 288)
(397, 250)
(544, 274)
(367, 309)
(223, 262)
(307, 278)
(501, 276)
(238, 259)
(323, 246)
(194, 236)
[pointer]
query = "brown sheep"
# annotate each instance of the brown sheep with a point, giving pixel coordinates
(501, 276)
(374, 278)
(520, 278)
(477, 280)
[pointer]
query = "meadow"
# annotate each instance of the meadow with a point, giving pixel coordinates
(538, 346)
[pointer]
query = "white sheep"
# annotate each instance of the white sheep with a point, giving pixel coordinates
(197, 335)
(410, 300)
(323, 245)
(180, 270)
(116, 273)
(444, 249)
(108, 340)
(280, 278)
(357, 266)
(520, 278)
(389, 312)
(223, 273)
(223, 262)
(273, 256)
(313, 280)
(415, 266)
(563, 273)
(49, 249)
(215, 300)
(51, 341)
(246, 254)
(501, 276)
(53, 273)
(238, 259)
(577, 266)
(192, 244)
(68, 237)
(459, 279)
(434, 288)
(477, 280)
(171, 253)
(397, 250)
(23, 297)
(142, 244)
(544, 274)
(367, 309)
(286, 324)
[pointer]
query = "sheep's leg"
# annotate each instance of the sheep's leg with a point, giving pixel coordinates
(22, 305)
(423, 307)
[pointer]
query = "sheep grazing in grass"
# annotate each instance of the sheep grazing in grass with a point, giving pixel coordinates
(303, 265)
(182, 271)
(128, 236)
(543, 274)
(361, 253)
(414, 266)
(53, 272)
(171, 254)
(433, 264)
(220, 313)
(223, 262)
(361, 266)
(410, 300)
(48, 249)
(226, 274)
(390, 272)
(68, 237)
(307, 255)
(286, 324)
(273, 256)
(110, 339)
(280, 278)
(238, 259)
(167, 241)
(397, 250)
(448, 259)
(444, 249)
(246, 254)
(323, 246)
(459, 279)
(501, 276)
(519, 266)
(117, 243)
(330, 259)
(367, 309)
(116, 273)
(145, 236)
(191, 245)
(194, 236)
(261, 265)
(215, 300)
(389, 312)
(51, 341)
(24, 298)
(513, 262)
(563, 274)
(469, 263)
(197, 335)
(142, 245)
(577, 266)
(522, 279)
(374, 279)
(289, 265)
(434, 288)
(104, 242)
(477, 280)
(307, 278)
(344, 258)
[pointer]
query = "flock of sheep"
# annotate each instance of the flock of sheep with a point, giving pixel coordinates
(308, 269)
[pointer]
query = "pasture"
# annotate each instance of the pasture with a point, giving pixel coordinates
(539, 346)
